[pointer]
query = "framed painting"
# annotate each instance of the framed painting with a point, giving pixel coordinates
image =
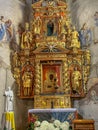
(51, 78)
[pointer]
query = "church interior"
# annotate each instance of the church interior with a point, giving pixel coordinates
(48, 65)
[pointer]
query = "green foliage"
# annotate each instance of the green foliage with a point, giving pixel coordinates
(30, 126)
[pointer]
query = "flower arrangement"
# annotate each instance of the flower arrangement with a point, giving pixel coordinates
(56, 125)
(35, 124)
(32, 121)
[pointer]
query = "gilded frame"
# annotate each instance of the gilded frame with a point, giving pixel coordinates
(51, 79)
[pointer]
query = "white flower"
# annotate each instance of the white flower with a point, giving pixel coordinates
(64, 125)
(37, 123)
(67, 123)
(44, 125)
(37, 128)
(51, 126)
(57, 123)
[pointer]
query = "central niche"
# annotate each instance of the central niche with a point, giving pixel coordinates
(51, 78)
(50, 28)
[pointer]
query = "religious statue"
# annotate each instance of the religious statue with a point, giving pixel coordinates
(61, 26)
(50, 28)
(76, 81)
(9, 100)
(37, 25)
(26, 41)
(27, 80)
(75, 39)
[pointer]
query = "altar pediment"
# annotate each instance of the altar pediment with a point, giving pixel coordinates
(51, 48)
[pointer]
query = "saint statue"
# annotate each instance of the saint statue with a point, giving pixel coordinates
(61, 25)
(27, 79)
(9, 100)
(26, 41)
(37, 24)
(75, 39)
(50, 28)
(76, 81)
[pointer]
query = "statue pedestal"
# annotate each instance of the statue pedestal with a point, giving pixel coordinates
(63, 114)
(8, 121)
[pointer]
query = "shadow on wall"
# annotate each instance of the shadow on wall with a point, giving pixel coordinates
(21, 107)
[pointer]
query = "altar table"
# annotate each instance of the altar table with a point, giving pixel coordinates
(64, 114)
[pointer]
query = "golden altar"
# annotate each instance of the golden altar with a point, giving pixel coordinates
(49, 64)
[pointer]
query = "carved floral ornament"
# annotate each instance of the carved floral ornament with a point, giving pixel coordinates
(50, 45)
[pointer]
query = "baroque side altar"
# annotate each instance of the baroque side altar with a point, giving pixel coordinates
(50, 65)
